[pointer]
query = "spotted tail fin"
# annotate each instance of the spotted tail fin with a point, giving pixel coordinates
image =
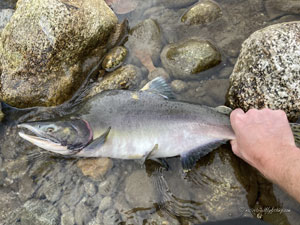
(296, 132)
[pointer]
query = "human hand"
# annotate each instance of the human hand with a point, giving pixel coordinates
(262, 137)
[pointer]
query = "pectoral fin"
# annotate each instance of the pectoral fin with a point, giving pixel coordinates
(98, 142)
(189, 159)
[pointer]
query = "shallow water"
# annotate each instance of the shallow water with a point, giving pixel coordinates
(39, 188)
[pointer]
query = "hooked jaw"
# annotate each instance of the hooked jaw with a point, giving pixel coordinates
(46, 144)
(65, 138)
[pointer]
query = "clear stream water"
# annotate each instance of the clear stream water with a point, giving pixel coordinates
(38, 188)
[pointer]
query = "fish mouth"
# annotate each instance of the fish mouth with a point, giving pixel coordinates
(43, 142)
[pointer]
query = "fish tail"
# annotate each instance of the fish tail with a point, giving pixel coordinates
(10, 114)
(296, 132)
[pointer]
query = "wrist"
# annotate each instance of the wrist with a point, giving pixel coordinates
(278, 166)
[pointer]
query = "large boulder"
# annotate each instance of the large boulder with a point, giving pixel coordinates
(267, 73)
(47, 48)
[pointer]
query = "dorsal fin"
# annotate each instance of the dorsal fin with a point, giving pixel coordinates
(159, 86)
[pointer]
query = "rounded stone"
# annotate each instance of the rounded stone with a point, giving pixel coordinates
(204, 12)
(114, 58)
(90, 188)
(139, 190)
(145, 39)
(267, 75)
(125, 77)
(105, 203)
(189, 57)
(95, 168)
(179, 86)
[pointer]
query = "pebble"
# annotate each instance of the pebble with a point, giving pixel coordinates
(179, 86)
(95, 168)
(67, 218)
(105, 203)
(90, 188)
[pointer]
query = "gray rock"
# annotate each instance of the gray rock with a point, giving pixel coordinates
(111, 216)
(278, 7)
(139, 190)
(204, 12)
(39, 213)
(159, 72)
(126, 77)
(1, 161)
(179, 86)
(145, 39)
(5, 15)
(105, 203)
(57, 52)
(267, 75)
(189, 57)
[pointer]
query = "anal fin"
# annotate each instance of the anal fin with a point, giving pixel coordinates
(98, 142)
(189, 159)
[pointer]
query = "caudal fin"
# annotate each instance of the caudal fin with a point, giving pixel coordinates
(296, 132)
(10, 114)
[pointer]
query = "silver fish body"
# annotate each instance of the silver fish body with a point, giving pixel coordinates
(141, 121)
(141, 124)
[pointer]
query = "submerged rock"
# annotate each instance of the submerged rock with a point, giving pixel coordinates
(178, 86)
(267, 73)
(145, 39)
(189, 57)
(204, 12)
(114, 58)
(177, 3)
(53, 59)
(126, 77)
(95, 168)
(279, 7)
(139, 190)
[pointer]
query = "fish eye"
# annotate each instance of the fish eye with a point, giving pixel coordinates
(50, 129)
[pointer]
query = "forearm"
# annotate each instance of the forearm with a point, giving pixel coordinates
(284, 170)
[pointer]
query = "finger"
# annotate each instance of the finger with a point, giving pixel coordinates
(234, 148)
(235, 117)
